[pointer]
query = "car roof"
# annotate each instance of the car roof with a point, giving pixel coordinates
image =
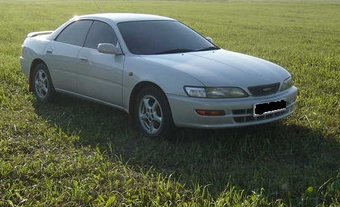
(123, 17)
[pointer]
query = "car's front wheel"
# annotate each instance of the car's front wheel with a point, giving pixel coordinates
(153, 114)
(42, 82)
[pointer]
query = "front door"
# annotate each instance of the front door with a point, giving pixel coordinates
(100, 75)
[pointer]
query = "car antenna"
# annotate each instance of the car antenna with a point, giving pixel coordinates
(100, 11)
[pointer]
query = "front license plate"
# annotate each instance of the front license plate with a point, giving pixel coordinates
(269, 107)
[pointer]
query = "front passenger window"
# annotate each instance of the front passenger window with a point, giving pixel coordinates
(100, 32)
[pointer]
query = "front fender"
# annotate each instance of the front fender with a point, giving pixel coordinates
(169, 80)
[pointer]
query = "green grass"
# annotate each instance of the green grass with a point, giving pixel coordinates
(77, 153)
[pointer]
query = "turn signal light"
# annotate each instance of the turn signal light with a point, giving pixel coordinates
(210, 112)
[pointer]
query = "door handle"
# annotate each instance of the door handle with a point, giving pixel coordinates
(83, 58)
(49, 51)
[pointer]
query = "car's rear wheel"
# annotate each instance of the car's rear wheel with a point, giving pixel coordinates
(153, 113)
(42, 82)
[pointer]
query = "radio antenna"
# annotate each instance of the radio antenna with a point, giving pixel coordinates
(100, 11)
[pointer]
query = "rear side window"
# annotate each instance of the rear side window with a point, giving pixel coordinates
(100, 32)
(75, 33)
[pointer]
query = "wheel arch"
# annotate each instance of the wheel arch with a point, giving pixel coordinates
(33, 65)
(132, 101)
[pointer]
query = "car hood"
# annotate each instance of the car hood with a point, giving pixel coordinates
(223, 68)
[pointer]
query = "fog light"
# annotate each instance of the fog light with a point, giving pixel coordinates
(210, 112)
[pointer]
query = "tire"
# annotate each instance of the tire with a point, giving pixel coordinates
(153, 114)
(42, 84)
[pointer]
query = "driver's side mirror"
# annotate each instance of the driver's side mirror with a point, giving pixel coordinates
(210, 39)
(108, 48)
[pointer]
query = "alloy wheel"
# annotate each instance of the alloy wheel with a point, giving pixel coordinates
(41, 83)
(150, 114)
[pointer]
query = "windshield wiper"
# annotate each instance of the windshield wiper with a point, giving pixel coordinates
(188, 50)
(175, 51)
(208, 48)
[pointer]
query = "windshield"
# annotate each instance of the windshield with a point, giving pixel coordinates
(162, 37)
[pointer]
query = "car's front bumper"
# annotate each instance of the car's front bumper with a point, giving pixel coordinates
(238, 111)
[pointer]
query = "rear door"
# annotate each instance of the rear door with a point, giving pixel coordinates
(62, 55)
(100, 75)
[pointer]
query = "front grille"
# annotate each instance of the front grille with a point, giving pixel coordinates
(263, 90)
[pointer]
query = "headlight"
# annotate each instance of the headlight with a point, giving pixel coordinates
(225, 92)
(228, 92)
(287, 84)
(196, 92)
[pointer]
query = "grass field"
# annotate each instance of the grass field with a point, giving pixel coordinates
(77, 153)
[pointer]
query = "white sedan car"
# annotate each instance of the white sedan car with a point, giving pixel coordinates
(160, 71)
